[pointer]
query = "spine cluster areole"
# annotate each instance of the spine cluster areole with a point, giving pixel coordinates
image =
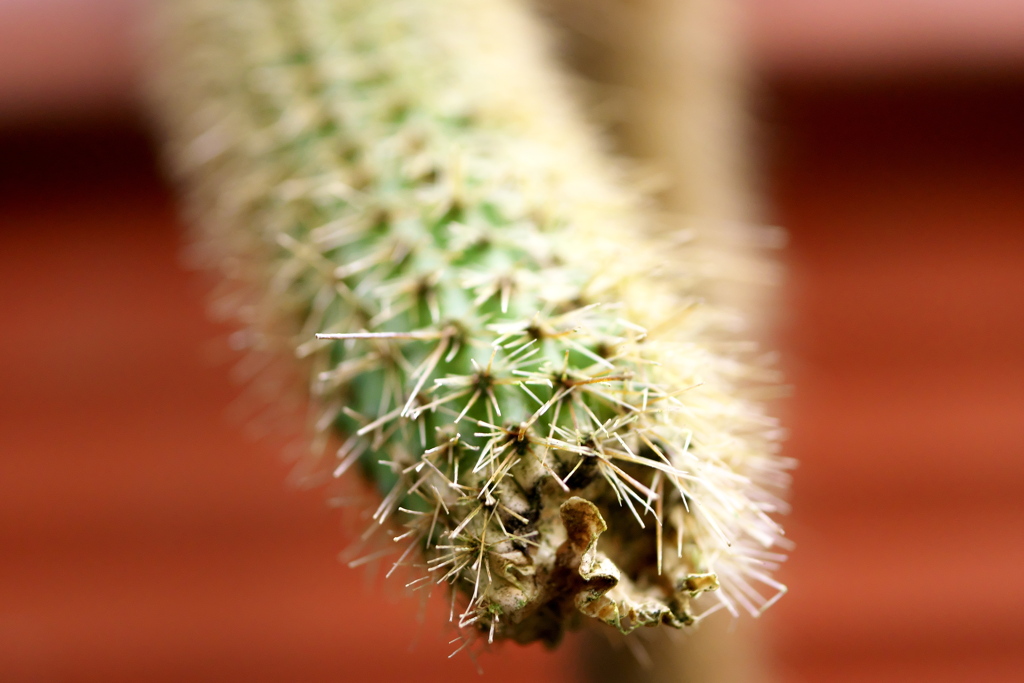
(492, 334)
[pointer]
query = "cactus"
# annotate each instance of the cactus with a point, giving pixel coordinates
(493, 333)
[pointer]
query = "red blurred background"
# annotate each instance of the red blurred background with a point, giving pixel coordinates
(144, 537)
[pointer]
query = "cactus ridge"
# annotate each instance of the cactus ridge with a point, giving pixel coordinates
(556, 427)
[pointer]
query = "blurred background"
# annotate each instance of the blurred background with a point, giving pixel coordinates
(143, 536)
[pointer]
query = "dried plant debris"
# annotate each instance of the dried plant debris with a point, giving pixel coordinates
(409, 204)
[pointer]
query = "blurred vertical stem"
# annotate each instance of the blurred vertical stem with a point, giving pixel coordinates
(673, 75)
(716, 652)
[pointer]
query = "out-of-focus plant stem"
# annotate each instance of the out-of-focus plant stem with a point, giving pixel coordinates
(674, 73)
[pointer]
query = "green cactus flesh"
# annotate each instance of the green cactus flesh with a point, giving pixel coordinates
(413, 209)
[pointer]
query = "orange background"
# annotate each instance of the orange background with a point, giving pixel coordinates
(144, 537)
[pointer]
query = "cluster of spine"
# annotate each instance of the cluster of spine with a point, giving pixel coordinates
(556, 427)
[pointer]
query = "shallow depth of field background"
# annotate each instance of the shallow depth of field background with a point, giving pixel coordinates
(143, 536)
